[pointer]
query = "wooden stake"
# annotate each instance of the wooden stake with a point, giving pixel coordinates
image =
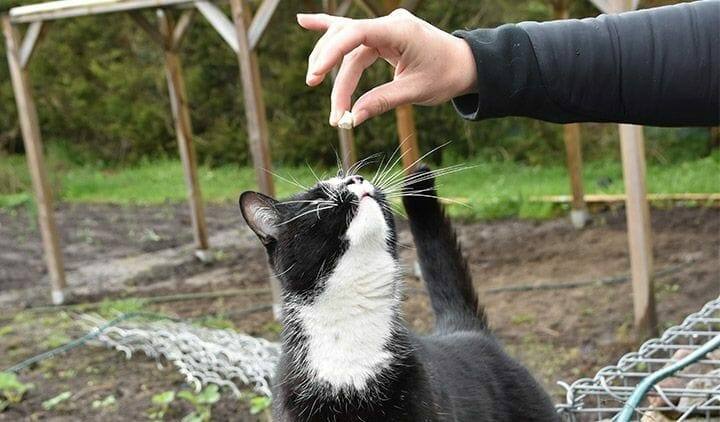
(256, 119)
(183, 130)
(638, 225)
(632, 146)
(407, 136)
(571, 136)
(578, 213)
(252, 96)
(34, 33)
(348, 156)
(27, 114)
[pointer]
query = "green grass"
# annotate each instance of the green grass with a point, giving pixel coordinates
(491, 189)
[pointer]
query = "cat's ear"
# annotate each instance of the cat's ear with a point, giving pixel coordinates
(261, 214)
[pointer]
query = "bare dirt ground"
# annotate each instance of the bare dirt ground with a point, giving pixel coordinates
(560, 334)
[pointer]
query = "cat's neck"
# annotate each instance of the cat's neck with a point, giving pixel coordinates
(350, 333)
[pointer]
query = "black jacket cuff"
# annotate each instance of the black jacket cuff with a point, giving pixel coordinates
(508, 76)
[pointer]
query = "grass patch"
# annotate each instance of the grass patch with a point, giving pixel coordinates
(491, 189)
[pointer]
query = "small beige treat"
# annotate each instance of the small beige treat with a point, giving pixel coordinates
(346, 121)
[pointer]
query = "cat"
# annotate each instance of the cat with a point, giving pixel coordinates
(346, 354)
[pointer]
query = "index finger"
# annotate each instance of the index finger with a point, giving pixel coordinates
(374, 33)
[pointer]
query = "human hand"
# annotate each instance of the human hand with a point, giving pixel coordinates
(431, 66)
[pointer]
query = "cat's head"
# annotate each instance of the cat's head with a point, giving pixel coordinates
(306, 235)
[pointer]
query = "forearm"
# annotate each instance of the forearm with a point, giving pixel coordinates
(655, 67)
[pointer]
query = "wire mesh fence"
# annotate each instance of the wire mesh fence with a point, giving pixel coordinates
(204, 356)
(692, 393)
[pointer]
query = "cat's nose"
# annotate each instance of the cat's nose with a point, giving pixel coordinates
(354, 179)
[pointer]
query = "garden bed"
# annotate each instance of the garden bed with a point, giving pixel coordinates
(561, 334)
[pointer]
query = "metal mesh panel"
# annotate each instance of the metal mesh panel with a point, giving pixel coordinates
(202, 355)
(690, 394)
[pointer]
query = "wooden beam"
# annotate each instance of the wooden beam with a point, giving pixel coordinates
(615, 6)
(33, 34)
(27, 113)
(704, 198)
(73, 8)
(148, 28)
(183, 131)
(256, 119)
(407, 136)
(343, 8)
(348, 156)
(602, 5)
(637, 209)
(638, 226)
(182, 26)
(410, 4)
(261, 21)
(573, 150)
(368, 8)
(220, 22)
(252, 96)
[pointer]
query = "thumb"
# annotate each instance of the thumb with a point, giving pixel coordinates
(316, 21)
(381, 99)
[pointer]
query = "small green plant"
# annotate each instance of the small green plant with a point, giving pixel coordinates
(50, 404)
(202, 402)
(218, 322)
(111, 308)
(67, 374)
(521, 319)
(259, 404)
(272, 327)
(56, 340)
(6, 330)
(105, 403)
(161, 404)
(12, 390)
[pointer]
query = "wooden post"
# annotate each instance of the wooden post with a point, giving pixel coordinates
(252, 96)
(348, 156)
(632, 146)
(183, 131)
(256, 118)
(578, 213)
(407, 136)
(27, 114)
(638, 225)
(571, 136)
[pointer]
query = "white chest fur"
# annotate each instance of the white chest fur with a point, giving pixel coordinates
(350, 323)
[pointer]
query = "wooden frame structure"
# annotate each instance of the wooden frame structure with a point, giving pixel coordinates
(241, 32)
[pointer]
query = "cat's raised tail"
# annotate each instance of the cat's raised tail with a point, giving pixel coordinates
(443, 266)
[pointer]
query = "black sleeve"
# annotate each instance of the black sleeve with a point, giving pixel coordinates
(657, 67)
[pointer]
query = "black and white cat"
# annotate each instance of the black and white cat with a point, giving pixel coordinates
(346, 355)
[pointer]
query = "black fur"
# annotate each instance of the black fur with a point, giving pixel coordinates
(443, 266)
(458, 373)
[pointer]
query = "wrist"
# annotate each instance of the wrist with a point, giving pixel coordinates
(465, 80)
